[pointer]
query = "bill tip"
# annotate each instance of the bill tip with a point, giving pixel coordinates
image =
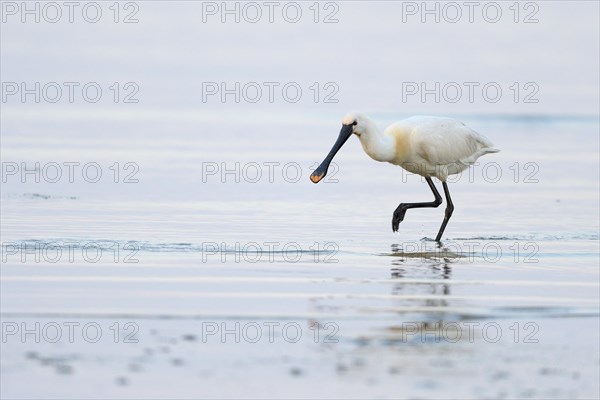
(315, 178)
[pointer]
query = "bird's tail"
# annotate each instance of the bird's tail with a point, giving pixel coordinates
(490, 150)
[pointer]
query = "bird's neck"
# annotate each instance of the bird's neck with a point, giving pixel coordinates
(378, 146)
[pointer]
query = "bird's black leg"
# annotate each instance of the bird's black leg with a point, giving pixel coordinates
(401, 210)
(447, 214)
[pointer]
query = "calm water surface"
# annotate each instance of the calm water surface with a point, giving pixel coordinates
(203, 263)
(288, 287)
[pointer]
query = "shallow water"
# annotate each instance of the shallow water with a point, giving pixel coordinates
(181, 274)
(511, 292)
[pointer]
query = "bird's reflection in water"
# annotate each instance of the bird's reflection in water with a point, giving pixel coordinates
(422, 283)
(423, 274)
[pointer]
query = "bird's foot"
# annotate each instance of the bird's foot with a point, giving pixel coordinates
(397, 218)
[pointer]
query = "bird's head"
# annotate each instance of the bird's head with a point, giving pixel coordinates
(357, 120)
(352, 123)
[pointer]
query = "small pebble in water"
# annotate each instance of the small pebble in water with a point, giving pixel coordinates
(499, 375)
(64, 369)
(548, 371)
(177, 362)
(45, 361)
(135, 368)
(122, 381)
(359, 362)
(341, 368)
(189, 337)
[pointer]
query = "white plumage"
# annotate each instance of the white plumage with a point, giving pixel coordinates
(427, 146)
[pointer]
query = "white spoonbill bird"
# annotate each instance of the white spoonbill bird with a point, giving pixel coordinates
(427, 146)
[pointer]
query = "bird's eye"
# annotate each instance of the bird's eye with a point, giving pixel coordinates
(355, 123)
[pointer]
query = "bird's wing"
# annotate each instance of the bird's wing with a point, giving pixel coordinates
(448, 141)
